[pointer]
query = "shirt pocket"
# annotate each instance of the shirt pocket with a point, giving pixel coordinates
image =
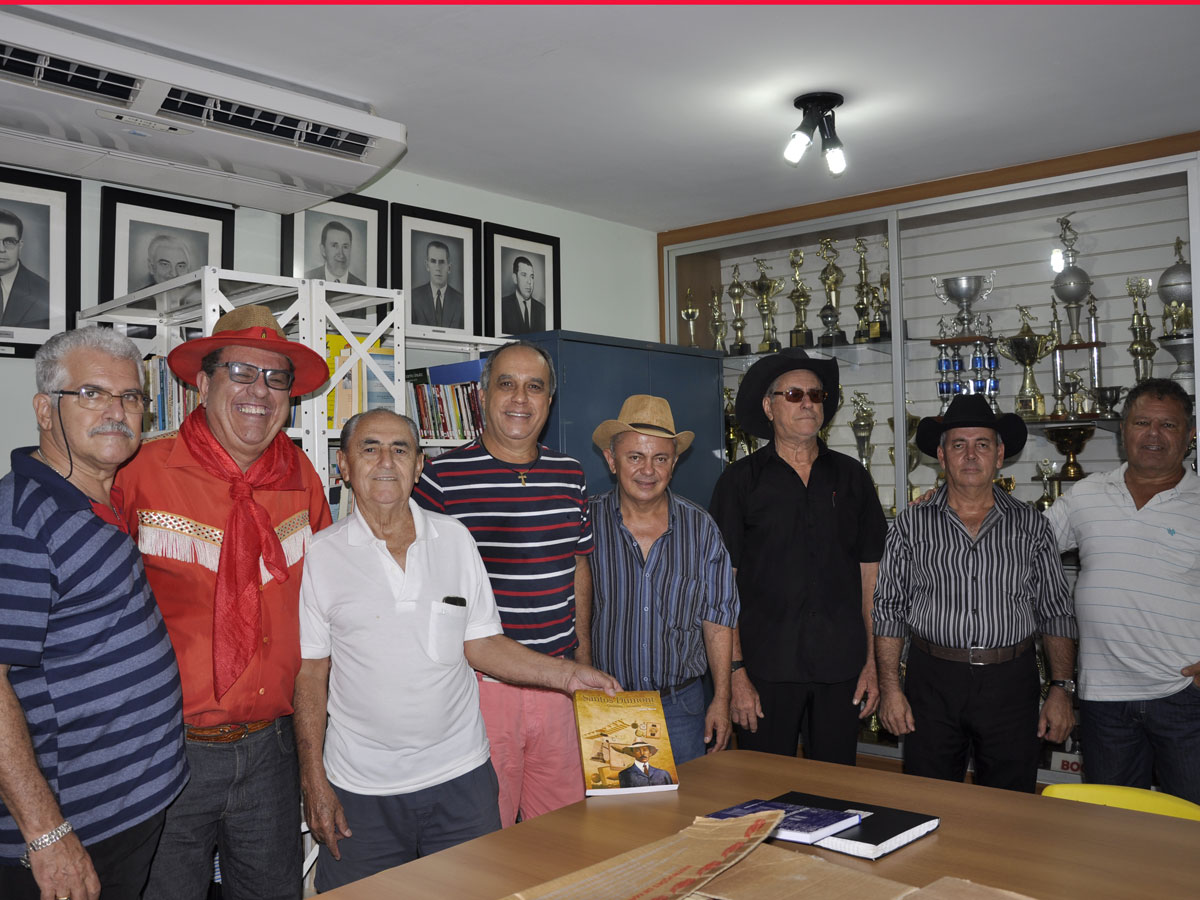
(680, 605)
(447, 628)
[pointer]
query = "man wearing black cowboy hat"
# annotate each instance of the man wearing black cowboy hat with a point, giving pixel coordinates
(970, 576)
(805, 532)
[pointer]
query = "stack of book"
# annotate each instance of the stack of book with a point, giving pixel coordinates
(170, 399)
(445, 401)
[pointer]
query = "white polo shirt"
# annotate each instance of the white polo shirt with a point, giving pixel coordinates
(403, 702)
(1137, 600)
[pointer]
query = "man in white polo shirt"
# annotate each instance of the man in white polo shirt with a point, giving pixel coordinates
(1137, 600)
(396, 610)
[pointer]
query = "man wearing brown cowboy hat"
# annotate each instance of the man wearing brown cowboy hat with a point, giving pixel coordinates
(663, 599)
(641, 773)
(223, 511)
(805, 532)
(969, 577)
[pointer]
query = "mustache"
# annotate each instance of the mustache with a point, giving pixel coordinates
(110, 427)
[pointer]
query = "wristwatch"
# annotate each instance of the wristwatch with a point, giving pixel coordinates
(1066, 684)
(737, 664)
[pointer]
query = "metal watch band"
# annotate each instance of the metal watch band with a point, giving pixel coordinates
(41, 843)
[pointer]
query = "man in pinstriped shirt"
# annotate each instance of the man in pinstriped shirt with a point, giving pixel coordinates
(969, 577)
(664, 601)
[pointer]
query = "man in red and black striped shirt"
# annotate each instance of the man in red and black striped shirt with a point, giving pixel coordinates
(526, 507)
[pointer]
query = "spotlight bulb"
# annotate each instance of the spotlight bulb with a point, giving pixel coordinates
(835, 158)
(794, 151)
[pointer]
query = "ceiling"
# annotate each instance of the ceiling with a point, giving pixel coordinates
(667, 116)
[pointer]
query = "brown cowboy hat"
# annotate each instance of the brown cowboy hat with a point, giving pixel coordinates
(972, 411)
(645, 415)
(635, 745)
(759, 376)
(251, 326)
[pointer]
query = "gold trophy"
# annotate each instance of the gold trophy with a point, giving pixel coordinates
(1049, 486)
(764, 287)
(1027, 348)
(800, 296)
(914, 454)
(862, 295)
(832, 277)
(690, 313)
(735, 438)
(1141, 348)
(1069, 439)
(823, 433)
(862, 425)
(737, 293)
(883, 301)
(716, 323)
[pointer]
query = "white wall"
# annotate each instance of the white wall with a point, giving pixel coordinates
(609, 271)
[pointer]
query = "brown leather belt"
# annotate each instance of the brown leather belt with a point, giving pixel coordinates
(976, 656)
(225, 734)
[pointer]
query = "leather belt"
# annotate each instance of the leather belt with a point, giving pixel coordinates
(682, 686)
(225, 734)
(976, 656)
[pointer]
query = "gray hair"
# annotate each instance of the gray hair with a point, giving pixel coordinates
(50, 361)
(485, 377)
(352, 424)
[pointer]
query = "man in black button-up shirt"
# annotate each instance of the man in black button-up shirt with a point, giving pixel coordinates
(805, 532)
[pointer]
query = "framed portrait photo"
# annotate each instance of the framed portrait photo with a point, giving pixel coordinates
(343, 241)
(435, 259)
(146, 239)
(39, 259)
(523, 281)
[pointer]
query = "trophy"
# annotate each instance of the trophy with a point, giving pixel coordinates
(1069, 439)
(862, 294)
(963, 290)
(1026, 348)
(800, 295)
(914, 454)
(832, 277)
(1106, 399)
(690, 313)
(1184, 352)
(1049, 486)
(737, 293)
(823, 434)
(1072, 387)
(1175, 291)
(884, 303)
(735, 437)
(861, 425)
(1072, 285)
(1141, 348)
(765, 288)
(716, 323)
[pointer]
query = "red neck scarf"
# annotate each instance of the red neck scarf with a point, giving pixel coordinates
(237, 607)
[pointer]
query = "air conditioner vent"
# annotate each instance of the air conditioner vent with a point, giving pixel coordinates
(66, 75)
(239, 117)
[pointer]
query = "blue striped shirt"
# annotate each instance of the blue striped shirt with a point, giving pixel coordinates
(528, 534)
(91, 662)
(647, 615)
(991, 591)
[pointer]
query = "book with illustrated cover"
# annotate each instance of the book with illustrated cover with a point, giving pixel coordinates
(801, 824)
(882, 829)
(624, 744)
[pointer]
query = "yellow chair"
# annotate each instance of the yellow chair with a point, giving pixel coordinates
(1126, 798)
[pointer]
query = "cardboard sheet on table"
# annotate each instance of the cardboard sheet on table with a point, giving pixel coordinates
(773, 873)
(950, 888)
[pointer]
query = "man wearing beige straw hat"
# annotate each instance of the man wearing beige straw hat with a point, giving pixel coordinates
(663, 599)
(223, 511)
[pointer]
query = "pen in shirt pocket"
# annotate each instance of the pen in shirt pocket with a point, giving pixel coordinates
(454, 601)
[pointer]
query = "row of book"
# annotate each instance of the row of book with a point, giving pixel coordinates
(446, 412)
(170, 399)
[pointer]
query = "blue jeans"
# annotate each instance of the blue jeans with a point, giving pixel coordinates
(1132, 742)
(243, 800)
(685, 721)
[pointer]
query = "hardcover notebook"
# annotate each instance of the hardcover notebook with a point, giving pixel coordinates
(623, 743)
(881, 830)
(802, 824)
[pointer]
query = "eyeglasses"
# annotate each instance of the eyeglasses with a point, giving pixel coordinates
(795, 394)
(10, 242)
(95, 398)
(244, 373)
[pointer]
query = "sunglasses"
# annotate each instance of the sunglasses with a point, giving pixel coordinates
(795, 394)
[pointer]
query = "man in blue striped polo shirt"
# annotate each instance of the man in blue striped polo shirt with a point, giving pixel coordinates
(664, 600)
(91, 709)
(526, 507)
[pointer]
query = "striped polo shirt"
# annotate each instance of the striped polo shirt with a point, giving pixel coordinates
(91, 662)
(528, 534)
(1137, 597)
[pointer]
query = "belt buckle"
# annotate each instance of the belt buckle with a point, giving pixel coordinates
(971, 656)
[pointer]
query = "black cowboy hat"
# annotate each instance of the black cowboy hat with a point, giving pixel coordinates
(759, 376)
(972, 411)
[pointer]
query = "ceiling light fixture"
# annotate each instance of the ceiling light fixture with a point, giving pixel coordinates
(818, 110)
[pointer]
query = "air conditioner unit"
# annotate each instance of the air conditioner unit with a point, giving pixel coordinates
(80, 105)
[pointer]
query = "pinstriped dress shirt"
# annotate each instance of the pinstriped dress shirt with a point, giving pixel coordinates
(994, 590)
(647, 615)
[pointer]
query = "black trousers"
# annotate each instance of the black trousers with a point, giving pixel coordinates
(122, 862)
(988, 712)
(823, 715)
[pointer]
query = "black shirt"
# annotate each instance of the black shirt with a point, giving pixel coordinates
(797, 551)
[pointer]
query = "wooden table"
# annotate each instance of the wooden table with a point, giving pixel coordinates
(1034, 845)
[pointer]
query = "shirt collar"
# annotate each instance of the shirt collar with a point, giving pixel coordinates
(65, 494)
(361, 535)
(7, 280)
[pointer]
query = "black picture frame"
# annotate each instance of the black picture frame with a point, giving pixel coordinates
(36, 305)
(130, 223)
(414, 229)
(505, 247)
(365, 218)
